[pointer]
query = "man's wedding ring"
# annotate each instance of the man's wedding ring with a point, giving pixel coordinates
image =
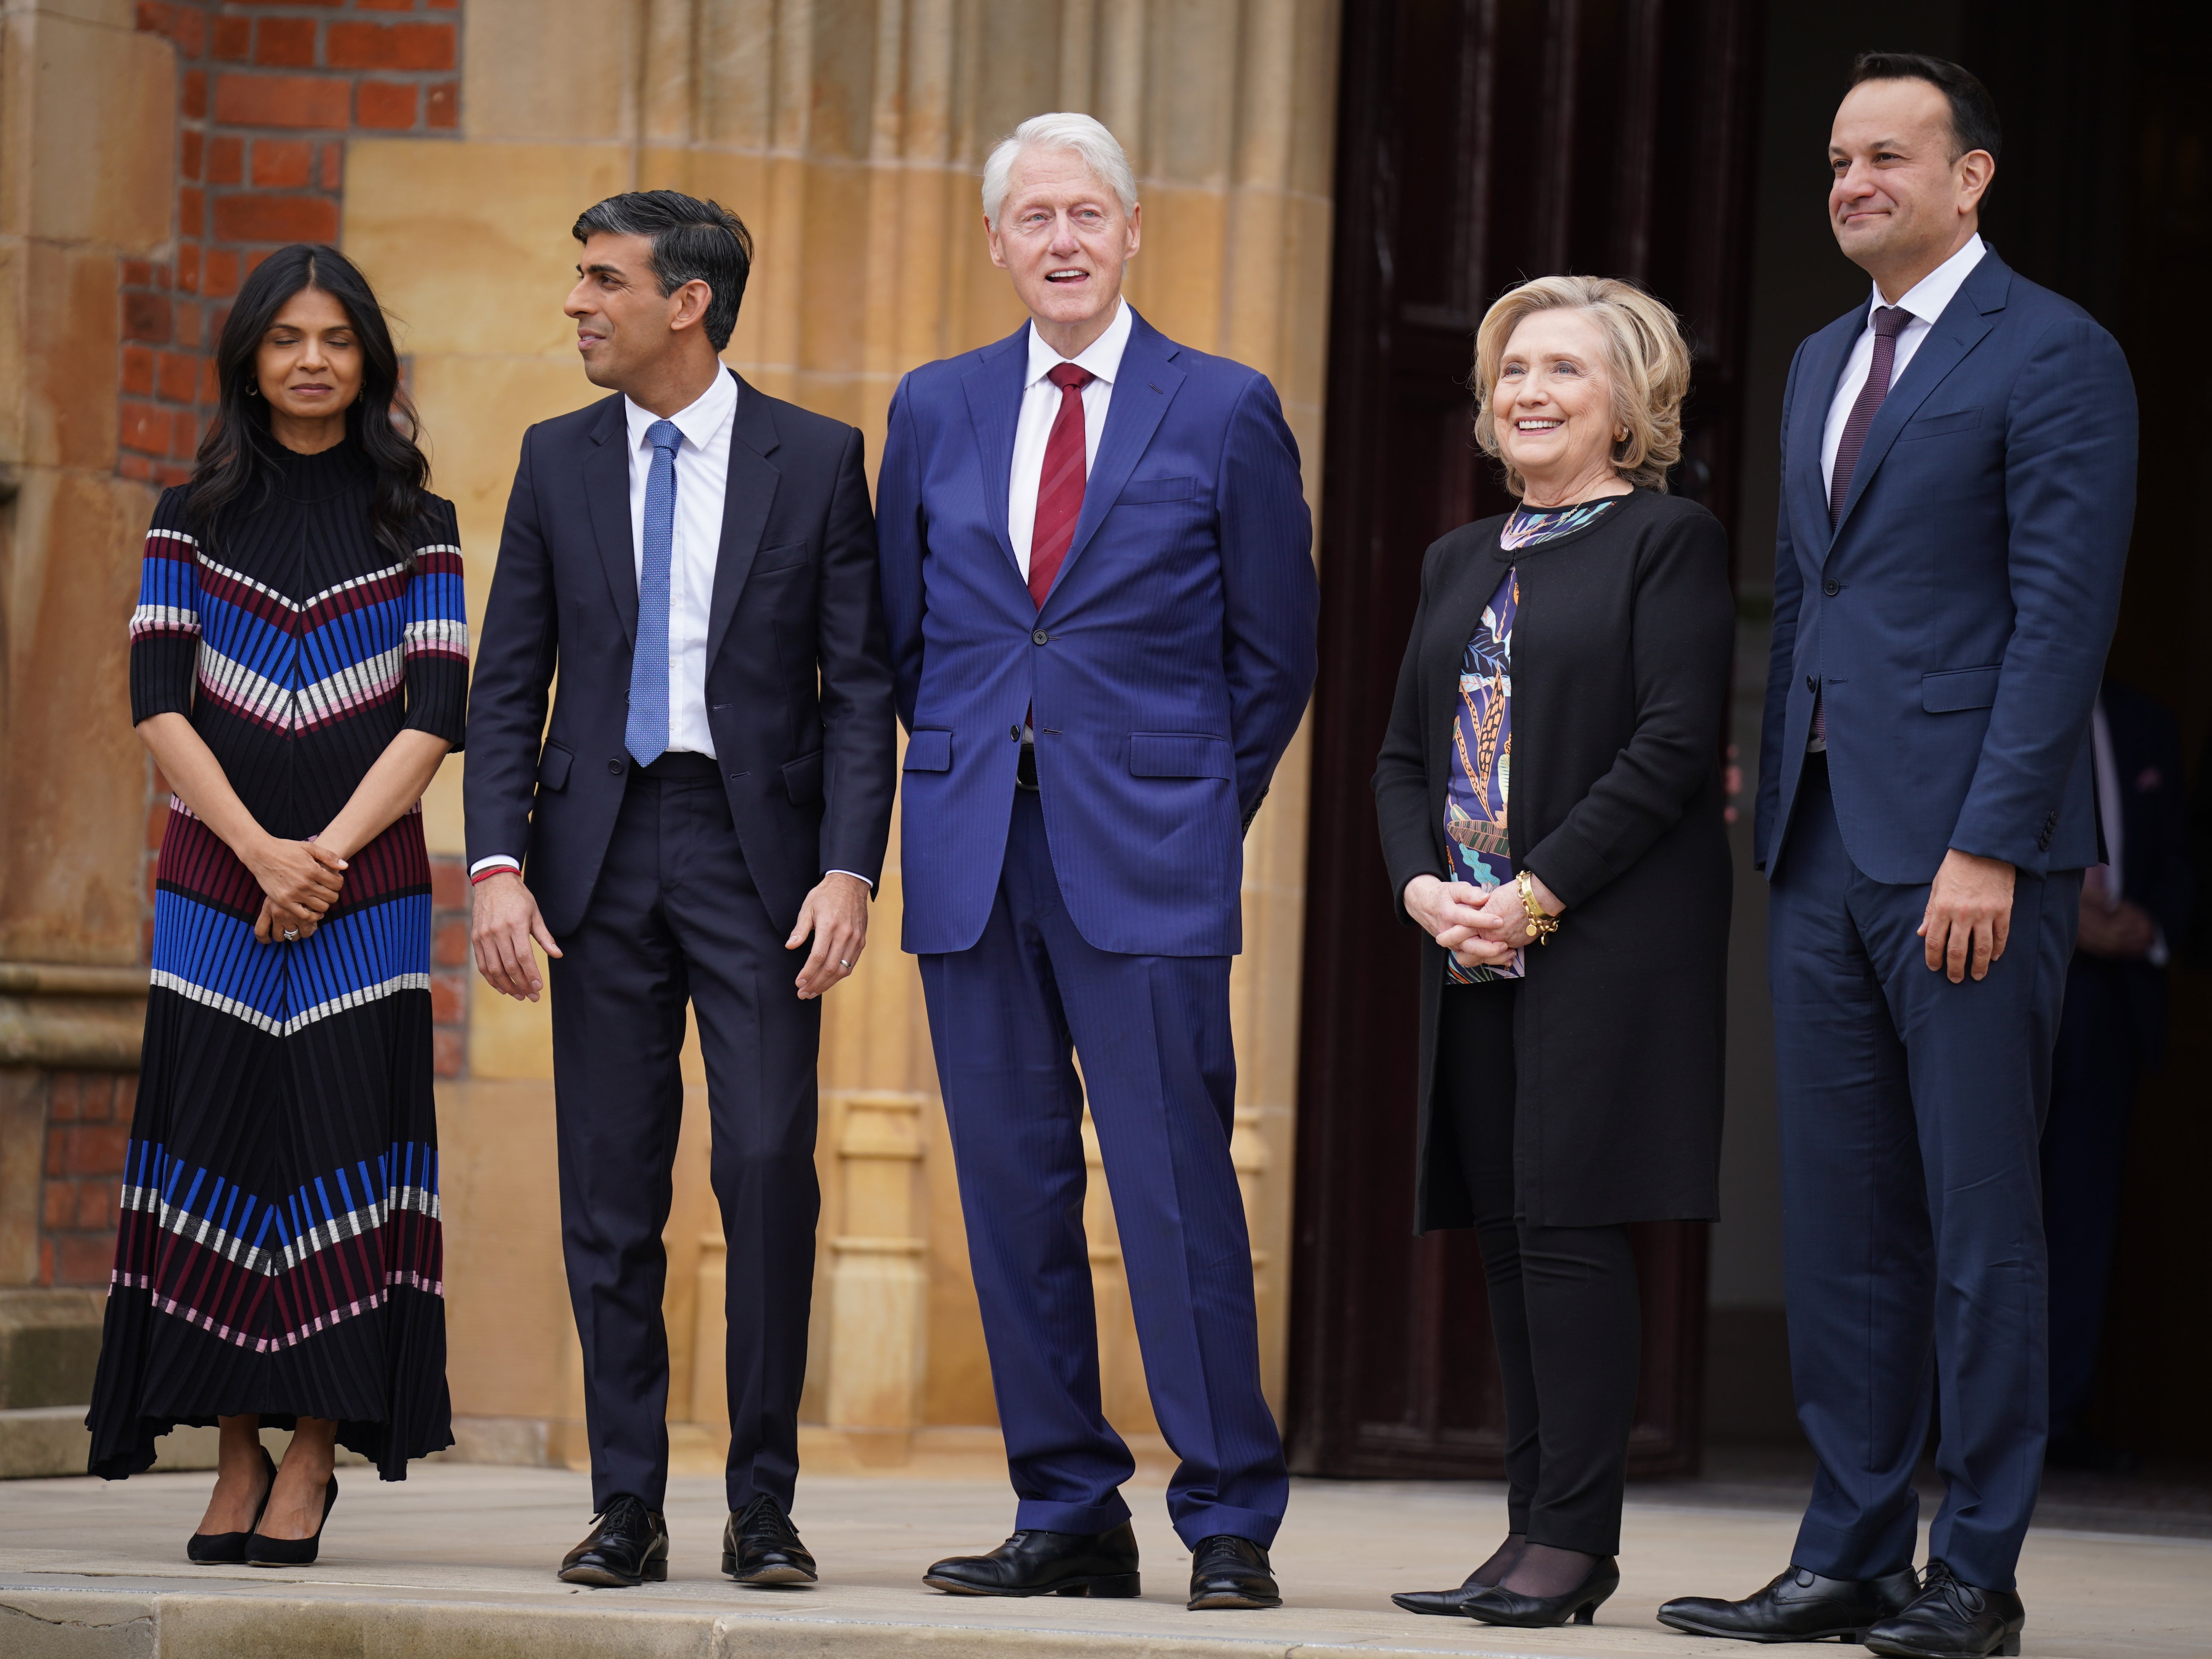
(846, 965)
(291, 932)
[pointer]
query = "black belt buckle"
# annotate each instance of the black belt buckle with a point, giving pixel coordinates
(1025, 770)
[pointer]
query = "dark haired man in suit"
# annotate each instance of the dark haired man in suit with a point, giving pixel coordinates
(1959, 463)
(698, 560)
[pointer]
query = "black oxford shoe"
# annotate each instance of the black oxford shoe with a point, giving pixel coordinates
(1228, 1571)
(1045, 1563)
(1952, 1620)
(761, 1546)
(1797, 1607)
(627, 1548)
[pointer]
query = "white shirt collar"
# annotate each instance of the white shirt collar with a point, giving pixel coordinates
(1102, 356)
(706, 420)
(1927, 298)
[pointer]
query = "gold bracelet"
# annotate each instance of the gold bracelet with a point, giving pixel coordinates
(1541, 925)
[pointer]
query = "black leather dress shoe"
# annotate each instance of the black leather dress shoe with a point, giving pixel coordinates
(628, 1547)
(1797, 1607)
(1500, 1606)
(1952, 1620)
(1228, 1571)
(761, 1546)
(1045, 1563)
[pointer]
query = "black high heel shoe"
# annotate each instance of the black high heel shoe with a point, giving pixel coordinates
(1500, 1606)
(219, 1548)
(262, 1552)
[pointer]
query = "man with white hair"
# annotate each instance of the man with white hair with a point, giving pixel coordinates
(1098, 581)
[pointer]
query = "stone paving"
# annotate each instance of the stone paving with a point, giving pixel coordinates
(458, 1560)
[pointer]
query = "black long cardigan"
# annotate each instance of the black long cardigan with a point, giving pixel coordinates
(1621, 654)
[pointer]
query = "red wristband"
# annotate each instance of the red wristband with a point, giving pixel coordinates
(496, 870)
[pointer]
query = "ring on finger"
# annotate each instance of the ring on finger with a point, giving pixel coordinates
(846, 965)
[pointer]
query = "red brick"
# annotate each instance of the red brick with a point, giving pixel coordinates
(211, 387)
(277, 219)
(93, 1149)
(185, 24)
(144, 429)
(194, 146)
(168, 477)
(449, 943)
(188, 268)
(99, 1206)
(385, 105)
(285, 42)
(150, 18)
(449, 884)
(281, 163)
(234, 39)
(138, 469)
(449, 1052)
(188, 317)
(138, 371)
(333, 159)
(96, 1099)
(157, 820)
(181, 376)
(83, 1260)
(281, 101)
(146, 317)
(57, 1210)
(449, 997)
(46, 1263)
(441, 105)
(445, 5)
(184, 435)
(226, 160)
(191, 212)
(389, 46)
(136, 273)
(195, 99)
(126, 1096)
(65, 1096)
(384, 5)
(220, 279)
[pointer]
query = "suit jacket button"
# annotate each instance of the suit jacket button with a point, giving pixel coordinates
(1040, 636)
(615, 766)
(1831, 588)
(1812, 684)
(1015, 732)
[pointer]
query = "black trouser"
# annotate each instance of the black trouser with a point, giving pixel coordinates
(1563, 1301)
(675, 920)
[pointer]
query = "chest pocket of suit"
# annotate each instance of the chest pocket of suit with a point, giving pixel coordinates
(778, 558)
(1147, 492)
(1935, 426)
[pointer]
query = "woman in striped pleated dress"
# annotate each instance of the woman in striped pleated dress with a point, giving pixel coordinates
(299, 668)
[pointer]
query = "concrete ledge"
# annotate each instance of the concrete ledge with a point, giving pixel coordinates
(52, 1440)
(48, 1346)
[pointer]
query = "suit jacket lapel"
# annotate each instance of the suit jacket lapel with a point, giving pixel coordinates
(993, 386)
(606, 496)
(1807, 485)
(1145, 385)
(1955, 333)
(747, 494)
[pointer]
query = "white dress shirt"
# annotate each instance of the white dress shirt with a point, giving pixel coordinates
(1040, 404)
(1925, 300)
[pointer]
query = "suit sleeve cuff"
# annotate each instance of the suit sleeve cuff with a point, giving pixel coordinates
(493, 866)
(855, 875)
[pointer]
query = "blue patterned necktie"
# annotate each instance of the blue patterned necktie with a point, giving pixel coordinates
(646, 736)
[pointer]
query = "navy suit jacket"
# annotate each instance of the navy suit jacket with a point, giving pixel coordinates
(798, 693)
(2156, 870)
(1956, 617)
(1168, 668)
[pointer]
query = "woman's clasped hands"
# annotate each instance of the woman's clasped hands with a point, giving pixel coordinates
(300, 882)
(1480, 926)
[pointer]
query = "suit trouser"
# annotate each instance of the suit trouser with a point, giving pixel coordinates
(675, 920)
(1912, 1223)
(2095, 1078)
(1153, 1035)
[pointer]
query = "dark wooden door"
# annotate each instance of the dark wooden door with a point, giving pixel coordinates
(1479, 142)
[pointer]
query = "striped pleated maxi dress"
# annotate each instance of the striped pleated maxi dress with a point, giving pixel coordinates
(279, 1251)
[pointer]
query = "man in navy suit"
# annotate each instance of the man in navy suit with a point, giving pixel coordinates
(697, 561)
(2135, 910)
(1959, 459)
(1098, 583)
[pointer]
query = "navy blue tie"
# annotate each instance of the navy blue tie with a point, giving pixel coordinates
(645, 735)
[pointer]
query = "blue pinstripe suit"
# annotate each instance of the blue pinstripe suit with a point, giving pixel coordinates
(1167, 671)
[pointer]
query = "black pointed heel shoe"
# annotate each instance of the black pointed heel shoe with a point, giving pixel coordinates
(225, 1548)
(262, 1552)
(1500, 1606)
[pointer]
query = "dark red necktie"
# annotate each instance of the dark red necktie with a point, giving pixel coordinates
(1888, 323)
(1059, 485)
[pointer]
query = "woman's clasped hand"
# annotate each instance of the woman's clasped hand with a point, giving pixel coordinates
(300, 883)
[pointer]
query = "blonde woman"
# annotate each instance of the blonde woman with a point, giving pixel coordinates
(1549, 795)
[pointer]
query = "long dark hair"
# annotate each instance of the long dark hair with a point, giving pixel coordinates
(238, 452)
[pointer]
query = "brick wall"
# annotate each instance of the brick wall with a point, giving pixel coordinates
(450, 972)
(268, 95)
(87, 1126)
